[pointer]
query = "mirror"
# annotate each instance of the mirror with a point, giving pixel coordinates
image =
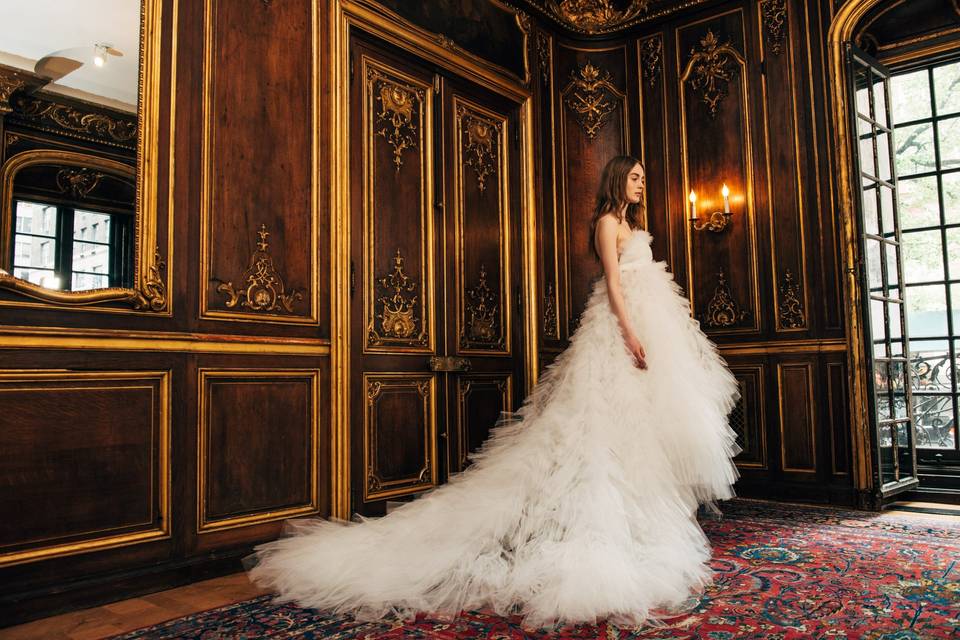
(78, 85)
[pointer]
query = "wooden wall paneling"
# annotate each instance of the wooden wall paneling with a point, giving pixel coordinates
(93, 447)
(258, 445)
(798, 416)
(259, 206)
(749, 416)
(394, 250)
(481, 206)
(551, 327)
(591, 93)
(786, 196)
(399, 434)
(838, 416)
(657, 145)
(717, 146)
(479, 400)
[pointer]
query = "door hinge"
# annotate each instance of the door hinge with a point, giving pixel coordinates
(519, 302)
(351, 70)
(436, 83)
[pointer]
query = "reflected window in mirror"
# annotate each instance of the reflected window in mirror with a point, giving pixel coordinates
(72, 249)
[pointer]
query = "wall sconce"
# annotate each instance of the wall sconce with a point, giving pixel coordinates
(717, 221)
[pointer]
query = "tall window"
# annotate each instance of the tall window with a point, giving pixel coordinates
(926, 108)
(71, 249)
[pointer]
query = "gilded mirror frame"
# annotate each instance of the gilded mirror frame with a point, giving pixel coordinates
(150, 276)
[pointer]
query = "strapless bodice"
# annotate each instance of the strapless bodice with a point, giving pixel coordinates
(636, 251)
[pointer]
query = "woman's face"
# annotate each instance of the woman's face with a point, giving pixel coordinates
(635, 184)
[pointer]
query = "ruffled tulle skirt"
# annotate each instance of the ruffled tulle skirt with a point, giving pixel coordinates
(580, 506)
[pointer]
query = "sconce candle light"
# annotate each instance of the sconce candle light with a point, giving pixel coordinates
(717, 220)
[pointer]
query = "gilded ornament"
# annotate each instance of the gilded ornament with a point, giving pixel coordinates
(72, 120)
(723, 310)
(587, 96)
(481, 328)
(594, 16)
(79, 182)
(480, 147)
(8, 85)
(711, 70)
(397, 318)
(398, 107)
(775, 21)
(651, 54)
(263, 288)
(152, 295)
(549, 313)
(791, 303)
(544, 56)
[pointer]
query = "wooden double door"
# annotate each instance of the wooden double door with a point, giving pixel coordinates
(436, 336)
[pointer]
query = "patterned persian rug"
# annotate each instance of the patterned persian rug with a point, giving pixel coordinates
(783, 572)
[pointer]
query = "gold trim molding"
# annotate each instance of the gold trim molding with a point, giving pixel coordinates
(162, 527)
(790, 303)
(723, 311)
(150, 291)
(774, 15)
(711, 72)
(254, 377)
(594, 16)
(651, 57)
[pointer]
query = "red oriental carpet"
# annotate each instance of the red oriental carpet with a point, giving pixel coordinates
(783, 572)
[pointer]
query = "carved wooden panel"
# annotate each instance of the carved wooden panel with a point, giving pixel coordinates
(94, 450)
(795, 385)
(592, 114)
(786, 197)
(480, 399)
(716, 131)
(748, 417)
(657, 144)
(837, 398)
(482, 212)
(399, 434)
(257, 453)
(398, 274)
(260, 162)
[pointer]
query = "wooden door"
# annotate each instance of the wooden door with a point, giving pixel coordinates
(435, 340)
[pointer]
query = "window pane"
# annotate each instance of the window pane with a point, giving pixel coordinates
(946, 81)
(870, 223)
(867, 163)
(896, 348)
(43, 277)
(953, 259)
(33, 251)
(892, 266)
(886, 210)
(863, 92)
(883, 407)
(949, 134)
(919, 202)
(895, 313)
(922, 256)
(910, 95)
(927, 310)
(88, 225)
(91, 258)
(883, 156)
(38, 219)
(85, 281)
(951, 197)
(915, 152)
(933, 416)
(879, 101)
(930, 366)
(874, 273)
(878, 321)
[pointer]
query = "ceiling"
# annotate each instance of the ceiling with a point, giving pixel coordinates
(32, 29)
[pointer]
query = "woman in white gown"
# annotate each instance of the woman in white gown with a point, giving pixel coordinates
(580, 505)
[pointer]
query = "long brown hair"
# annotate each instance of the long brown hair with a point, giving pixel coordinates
(612, 195)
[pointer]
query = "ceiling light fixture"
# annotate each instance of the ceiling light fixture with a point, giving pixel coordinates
(100, 54)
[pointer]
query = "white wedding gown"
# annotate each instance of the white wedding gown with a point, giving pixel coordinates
(579, 506)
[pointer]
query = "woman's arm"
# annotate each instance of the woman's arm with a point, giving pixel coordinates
(607, 230)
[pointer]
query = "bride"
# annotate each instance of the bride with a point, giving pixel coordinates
(580, 506)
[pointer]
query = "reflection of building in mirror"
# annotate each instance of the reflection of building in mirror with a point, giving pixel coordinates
(71, 249)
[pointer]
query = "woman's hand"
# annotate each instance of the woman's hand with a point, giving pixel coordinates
(636, 350)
